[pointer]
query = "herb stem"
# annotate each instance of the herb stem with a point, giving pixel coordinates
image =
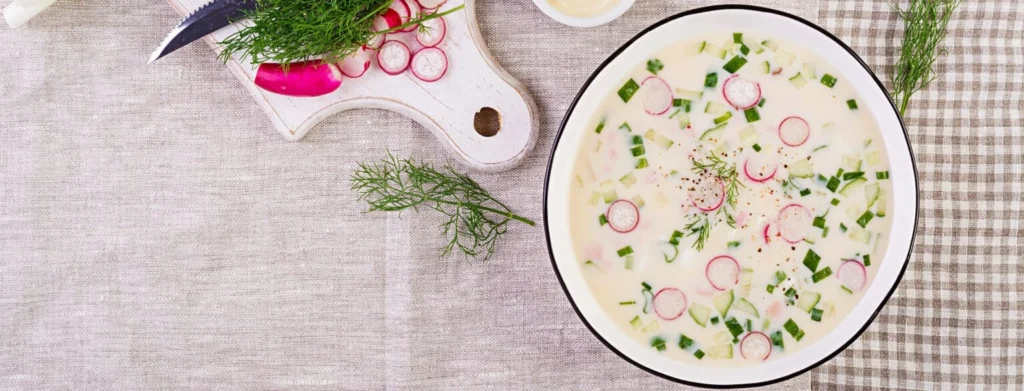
(924, 29)
(485, 209)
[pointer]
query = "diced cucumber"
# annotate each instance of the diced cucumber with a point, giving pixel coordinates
(881, 204)
(595, 198)
(723, 118)
(658, 139)
(716, 108)
(714, 51)
(638, 201)
(748, 136)
(713, 134)
(743, 305)
(808, 300)
(746, 276)
(853, 212)
(636, 323)
(700, 314)
(766, 68)
(651, 327)
(874, 158)
(810, 70)
(770, 44)
(860, 235)
(801, 169)
(684, 120)
(723, 301)
(852, 186)
(753, 45)
(608, 192)
(851, 164)
(689, 94)
(871, 193)
(784, 58)
(628, 180)
(798, 81)
(723, 336)
(694, 48)
(721, 351)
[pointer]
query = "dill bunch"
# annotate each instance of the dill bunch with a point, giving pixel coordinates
(700, 225)
(288, 31)
(924, 28)
(474, 220)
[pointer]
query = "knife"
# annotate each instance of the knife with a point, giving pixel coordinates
(209, 18)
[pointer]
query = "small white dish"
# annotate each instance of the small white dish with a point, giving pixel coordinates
(605, 79)
(612, 14)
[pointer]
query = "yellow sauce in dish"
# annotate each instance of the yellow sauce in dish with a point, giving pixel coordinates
(583, 8)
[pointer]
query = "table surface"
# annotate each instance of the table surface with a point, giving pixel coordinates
(156, 232)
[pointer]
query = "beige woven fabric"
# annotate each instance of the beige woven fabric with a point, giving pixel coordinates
(157, 233)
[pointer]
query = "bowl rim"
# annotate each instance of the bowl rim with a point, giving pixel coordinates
(593, 21)
(610, 59)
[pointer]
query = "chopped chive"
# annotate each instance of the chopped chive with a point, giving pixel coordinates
(744, 49)
(821, 274)
(736, 339)
(638, 150)
(699, 354)
(799, 335)
(882, 175)
(631, 302)
(842, 227)
(852, 104)
(811, 260)
(805, 192)
(770, 288)
(658, 343)
(676, 235)
(625, 251)
(750, 326)
(791, 327)
(734, 327)
(780, 276)
(852, 175)
(642, 163)
(636, 322)
(777, 339)
(757, 148)
(819, 148)
(839, 173)
(734, 244)
(654, 66)
(714, 320)
(675, 113)
(835, 202)
(711, 80)
(752, 115)
(822, 178)
(685, 342)
(867, 260)
(737, 37)
(833, 184)
(790, 293)
(819, 221)
(600, 127)
(816, 314)
(637, 140)
(628, 90)
(848, 290)
(628, 263)
(865, 219)
(829, 80)
(646, 286)
(602, 220)
(625, 126)
(824, 232)
(734, 64)
(723, 117)
(683, 104)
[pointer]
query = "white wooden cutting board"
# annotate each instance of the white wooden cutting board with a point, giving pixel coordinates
(447, 108)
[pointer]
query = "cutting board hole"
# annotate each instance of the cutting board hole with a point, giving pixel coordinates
(487, 122)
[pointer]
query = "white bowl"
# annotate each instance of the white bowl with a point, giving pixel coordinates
(563, 157)
(614, 13)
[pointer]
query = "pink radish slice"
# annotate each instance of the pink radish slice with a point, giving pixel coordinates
(386, 21)
(794, 131)
(756, 346)
(853, 274)
(760, 168)
(723, 272)
(669, 303)
(430, 64)
(391, 17)
(710, 193)
(414, 12)
(432, 33)
(769, 232)
(431, 4)
(623, 216)
(403, 11)
(794, 222)
(356, 64)
(393, 57)
(304, 79)
(657, 95)
(741, 93)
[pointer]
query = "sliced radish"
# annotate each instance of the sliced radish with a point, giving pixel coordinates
(669, 303)
(710, 193)
(852, 274)
(723, 272)
(393, 57)
(386, 21)
(756, 346)
(794, 131)
(657, 95)
(430, 64)
(414, 12)
(794, 223)
(770, 231)
(741, 93)
(392, 18)
(431, 4)
(623, 216)
(402, 9)
(356, 64)
(304, 79)
(760, 168)
(432, 33)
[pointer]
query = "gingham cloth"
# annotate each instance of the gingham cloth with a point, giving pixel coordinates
(157, 233)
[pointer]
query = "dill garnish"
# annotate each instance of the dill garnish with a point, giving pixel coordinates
(924, 28)
(475, 219)
(700, 225)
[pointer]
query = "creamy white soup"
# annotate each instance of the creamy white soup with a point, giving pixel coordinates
(731, 200)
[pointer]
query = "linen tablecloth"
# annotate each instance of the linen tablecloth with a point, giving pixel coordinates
(157, 233)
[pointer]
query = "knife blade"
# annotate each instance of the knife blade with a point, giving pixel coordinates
(210, 17)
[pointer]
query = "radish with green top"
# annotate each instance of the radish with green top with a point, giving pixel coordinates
(303, 79)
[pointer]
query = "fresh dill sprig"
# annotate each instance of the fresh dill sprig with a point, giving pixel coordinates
(701, 227)
(924, 28)
(474, 219)
(288, 31)
(724, 171)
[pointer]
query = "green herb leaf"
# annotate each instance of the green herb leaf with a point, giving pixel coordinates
(924, 29)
